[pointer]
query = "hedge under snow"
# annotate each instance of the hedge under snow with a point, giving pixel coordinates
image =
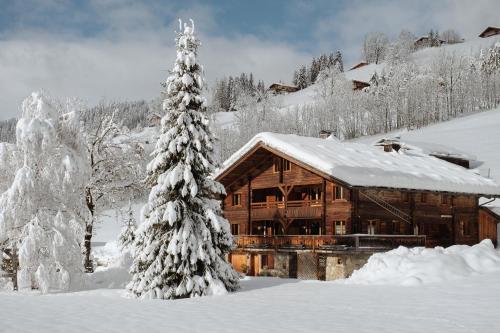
(416, 266)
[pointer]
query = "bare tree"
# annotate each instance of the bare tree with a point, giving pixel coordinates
(115, 173)
(375, 47)
(451, 36)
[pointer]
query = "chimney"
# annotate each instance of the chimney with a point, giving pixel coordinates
(323, 134)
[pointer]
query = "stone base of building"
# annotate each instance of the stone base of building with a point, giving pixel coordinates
(304, 265)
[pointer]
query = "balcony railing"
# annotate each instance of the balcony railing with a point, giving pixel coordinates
(290, 203)
(328, 242)
(290, 209)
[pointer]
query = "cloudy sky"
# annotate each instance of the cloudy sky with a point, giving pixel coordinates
(122, 50)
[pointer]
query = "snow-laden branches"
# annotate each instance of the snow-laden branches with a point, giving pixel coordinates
(41, 212)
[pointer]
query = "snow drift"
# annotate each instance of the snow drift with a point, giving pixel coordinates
(416, 266)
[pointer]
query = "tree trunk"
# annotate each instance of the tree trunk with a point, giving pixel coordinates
(88, 264)
(87, 240)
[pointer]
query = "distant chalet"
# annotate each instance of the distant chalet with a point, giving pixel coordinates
(426, 41)
(490, 31)
(278, 88)
(316, 208)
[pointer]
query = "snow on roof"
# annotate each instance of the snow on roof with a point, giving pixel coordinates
(364, 73)
(366, 166)
(434, 149)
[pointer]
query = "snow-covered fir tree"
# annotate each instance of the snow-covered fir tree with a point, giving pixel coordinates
(181, 245)
(127, 235)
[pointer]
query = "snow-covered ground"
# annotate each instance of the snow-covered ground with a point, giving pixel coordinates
(268, 305)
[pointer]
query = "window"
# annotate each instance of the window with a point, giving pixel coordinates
(464, 228)
(339, 227)
(276, 167)
(423, 197)
(396, 227)
(372, 227)
(444, 199)
(264, 261)
(235, 229)
(281, 164)
(338, 193)
(405, 197)
(287, 166)
(314, 193)
(237, 199)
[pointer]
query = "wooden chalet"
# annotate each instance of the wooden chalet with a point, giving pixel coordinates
(154, 119)
(359, 65)
(315, 208)
(490, 31)
(425, 41)
(278, 88)
(489, 219)
(359, 85)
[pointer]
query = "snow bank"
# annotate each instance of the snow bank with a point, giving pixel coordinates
(416, 266)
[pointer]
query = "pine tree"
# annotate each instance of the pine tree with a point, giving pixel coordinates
(338, 62)
(127, 234)
(181, 245)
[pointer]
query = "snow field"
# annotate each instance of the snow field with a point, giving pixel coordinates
(267, 305)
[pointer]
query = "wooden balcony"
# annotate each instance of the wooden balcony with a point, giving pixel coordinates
(328, 242)
(290, 209)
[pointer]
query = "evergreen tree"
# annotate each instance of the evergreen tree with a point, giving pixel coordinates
(181, 245)
(127, 234)
(338, 62)
(302, 80)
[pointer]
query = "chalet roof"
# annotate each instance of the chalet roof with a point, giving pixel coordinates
(365, 73)
(433, 149)
(360, 165)
(482, 34)
(492, 210)
(421, 38)
(358, 65)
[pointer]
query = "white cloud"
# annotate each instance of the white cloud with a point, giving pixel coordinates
(128, 60)
(133, 49)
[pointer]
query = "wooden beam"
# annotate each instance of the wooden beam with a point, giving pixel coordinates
(249, 201)
(323, 220)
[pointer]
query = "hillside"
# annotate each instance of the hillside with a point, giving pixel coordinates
(423, 57)
(477, 135)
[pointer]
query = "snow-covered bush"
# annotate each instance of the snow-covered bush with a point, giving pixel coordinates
(181, 246)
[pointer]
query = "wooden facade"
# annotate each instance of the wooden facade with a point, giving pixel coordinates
(359, 85)
(488, 224)
(279, 88)
(275, 203)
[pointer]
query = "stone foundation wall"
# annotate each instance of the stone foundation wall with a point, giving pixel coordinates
(283, 266)
(342, 266)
